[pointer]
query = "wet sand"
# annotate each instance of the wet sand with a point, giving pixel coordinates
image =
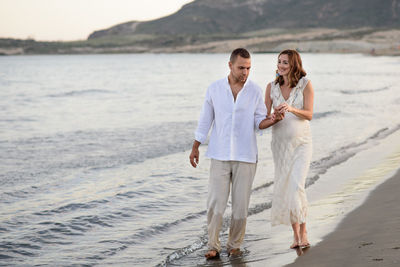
(351, 194)
(368, 236)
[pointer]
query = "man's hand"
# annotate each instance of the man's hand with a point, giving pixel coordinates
(194, 156)
(278, 116)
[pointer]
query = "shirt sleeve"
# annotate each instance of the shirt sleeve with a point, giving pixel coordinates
(260, 112)
(206, 119)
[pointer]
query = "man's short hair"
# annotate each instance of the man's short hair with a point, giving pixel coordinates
(239, 52)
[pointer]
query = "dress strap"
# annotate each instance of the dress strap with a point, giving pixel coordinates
(303, 83)
(272, 90)
(275, 93)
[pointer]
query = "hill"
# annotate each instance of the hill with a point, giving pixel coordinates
(204, 17)
(218, 26)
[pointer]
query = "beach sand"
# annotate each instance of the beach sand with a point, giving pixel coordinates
(368, 236)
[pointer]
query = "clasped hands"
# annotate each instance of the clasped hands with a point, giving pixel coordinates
(279, 112)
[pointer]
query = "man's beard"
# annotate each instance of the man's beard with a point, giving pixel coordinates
(240, 78)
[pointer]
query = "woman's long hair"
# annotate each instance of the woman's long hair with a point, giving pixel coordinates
(296, 71)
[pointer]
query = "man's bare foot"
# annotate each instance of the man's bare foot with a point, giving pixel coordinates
(212, 254)
(234, 252)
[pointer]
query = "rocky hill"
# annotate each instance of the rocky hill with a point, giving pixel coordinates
(204, 17)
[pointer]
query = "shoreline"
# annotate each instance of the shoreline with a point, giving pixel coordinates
(310, 49)
(372, 41)
(367, 236)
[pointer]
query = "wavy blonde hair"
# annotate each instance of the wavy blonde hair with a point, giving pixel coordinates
(296, 71)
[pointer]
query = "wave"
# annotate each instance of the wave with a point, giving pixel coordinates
(262, 186)
(52, 156)
(182, 252)
(20, 119)
(202, 241)
(319, 115)
(81, 92)
(344, 153)
(72, 207)
(134, 239)
(161, 228)
(366, 91)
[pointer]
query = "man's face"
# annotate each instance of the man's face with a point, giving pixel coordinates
(240, 69)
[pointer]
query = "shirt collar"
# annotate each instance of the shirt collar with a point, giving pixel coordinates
(229, 86)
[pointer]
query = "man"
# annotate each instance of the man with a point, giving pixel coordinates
(235, 108)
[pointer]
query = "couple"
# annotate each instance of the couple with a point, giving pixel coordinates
(235, 109)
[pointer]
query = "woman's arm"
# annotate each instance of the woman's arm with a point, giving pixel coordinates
(308, 104)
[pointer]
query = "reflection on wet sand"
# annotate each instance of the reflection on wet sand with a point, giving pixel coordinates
(224, 260)
(301, 251)
(342, 201)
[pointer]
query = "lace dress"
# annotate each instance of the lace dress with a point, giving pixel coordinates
(291, 148)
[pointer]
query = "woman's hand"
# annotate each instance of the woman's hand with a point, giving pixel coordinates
(284, 107)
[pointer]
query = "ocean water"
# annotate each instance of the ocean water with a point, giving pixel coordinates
(94, 149)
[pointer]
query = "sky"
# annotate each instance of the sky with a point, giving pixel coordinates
(67, 20)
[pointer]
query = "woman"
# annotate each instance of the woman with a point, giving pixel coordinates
(292, 95)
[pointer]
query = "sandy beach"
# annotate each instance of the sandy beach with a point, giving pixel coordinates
(368, 236)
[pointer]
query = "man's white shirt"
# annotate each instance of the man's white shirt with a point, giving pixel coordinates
(234, 123)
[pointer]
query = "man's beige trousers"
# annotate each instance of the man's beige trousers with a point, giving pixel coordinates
(223, 174)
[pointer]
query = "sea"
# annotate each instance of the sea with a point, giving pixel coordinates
(94, 156)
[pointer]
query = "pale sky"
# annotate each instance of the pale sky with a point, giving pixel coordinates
(51, 20)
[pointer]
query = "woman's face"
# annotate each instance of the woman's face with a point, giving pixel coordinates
(283, 65)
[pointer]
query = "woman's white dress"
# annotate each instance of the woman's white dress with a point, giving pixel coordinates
(291, 148)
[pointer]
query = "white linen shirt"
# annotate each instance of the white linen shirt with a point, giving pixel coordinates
(233, 135)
